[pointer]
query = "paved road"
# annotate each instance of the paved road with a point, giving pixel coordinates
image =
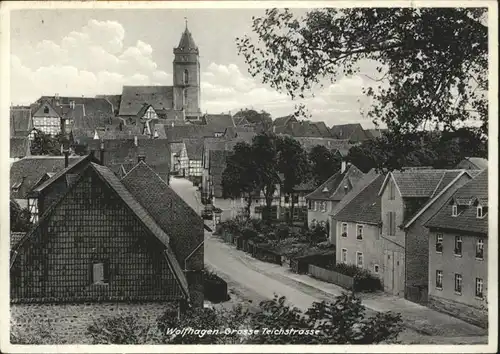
(260, 280)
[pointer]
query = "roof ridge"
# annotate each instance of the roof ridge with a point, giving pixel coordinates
(359, 192)
(437, 185)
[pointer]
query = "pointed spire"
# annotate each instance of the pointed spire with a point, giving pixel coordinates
(187, 42)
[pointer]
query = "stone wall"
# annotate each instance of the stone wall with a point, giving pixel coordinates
(466, 313)
(68, 322)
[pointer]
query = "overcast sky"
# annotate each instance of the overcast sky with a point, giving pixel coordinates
(88, 52)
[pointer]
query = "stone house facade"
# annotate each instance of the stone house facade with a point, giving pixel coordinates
(458, 253)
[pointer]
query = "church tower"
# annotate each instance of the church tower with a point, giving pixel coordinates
(187, 77)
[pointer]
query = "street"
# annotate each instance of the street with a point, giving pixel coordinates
(255, 280)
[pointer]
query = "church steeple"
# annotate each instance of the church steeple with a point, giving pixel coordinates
(187, 44)
(187, 76)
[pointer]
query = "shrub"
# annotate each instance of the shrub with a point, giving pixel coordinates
(118, 330)
(249, 233)
(38, 332)
(363, 279)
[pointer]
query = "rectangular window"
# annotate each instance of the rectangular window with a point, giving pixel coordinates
(454, 210)
(392, 194)
(458, 283)
(309, 204)
(344, 255)
(479, 212)
(439, 279)
(458, 245)
(376, 269)
(479, 288)
(391, 223)
(359, 259)
(287, 199)
(359, 232)
(295, 199)
(99, 273)
(33, 209)
(479, 248)
(344, 229)
(439, 243)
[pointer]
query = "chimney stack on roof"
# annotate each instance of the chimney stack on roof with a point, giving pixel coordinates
(135, 141)
(102, 153)
(343, 166)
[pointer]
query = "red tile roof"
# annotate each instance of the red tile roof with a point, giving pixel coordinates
(466, 221)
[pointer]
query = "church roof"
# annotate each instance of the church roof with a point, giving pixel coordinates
(187, 41)
(134, 97)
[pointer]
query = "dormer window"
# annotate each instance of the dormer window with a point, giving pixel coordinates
(480, 212)
(325, 190)
(454, 210)
(16, 186)
(45, 109)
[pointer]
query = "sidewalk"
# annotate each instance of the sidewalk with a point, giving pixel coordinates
(417, 317)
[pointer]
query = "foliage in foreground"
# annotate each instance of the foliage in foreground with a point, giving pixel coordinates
(39, 332)
(343, 321)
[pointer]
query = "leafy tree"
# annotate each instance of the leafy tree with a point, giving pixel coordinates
(45, 144)
(265, 152)
(19, 218)
(260, 119)
(434, 149)
(293, 164)
(324, 163)
(240, 178)
(432, 62)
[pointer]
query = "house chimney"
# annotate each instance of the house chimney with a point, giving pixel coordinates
(66, 158)
(135, 141)
(102, 153)
(141, 158)
(343, 166)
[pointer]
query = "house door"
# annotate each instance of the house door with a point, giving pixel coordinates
(394, 272)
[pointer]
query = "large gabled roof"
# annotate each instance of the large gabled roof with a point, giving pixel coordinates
(20, 121)
(475, 192)
(420, 183)
(194, 148)
(19, 146)
(28, 171)
(219, 122)
(333, 188)
(364, 206)
(134, 97)
(353, 132)
(134, 206)
(167, 208)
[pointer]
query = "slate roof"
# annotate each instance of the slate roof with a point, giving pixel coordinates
(20, 121)
(187, 41)
(134, 97)
(342, 145)
(466, 221)
(233, 132)
(375, 133)
(219, 122)
(365, 206)
(178, 133)
(194, 148)
(334, 185)
(421, 183)
(70, 178)
(479, 162)
(19, 147)
(281, 121)
(167, 208)
(123, 151)
(33, 168)
(323, 129)
(114, 100)
(353, 132)
(15, 237)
